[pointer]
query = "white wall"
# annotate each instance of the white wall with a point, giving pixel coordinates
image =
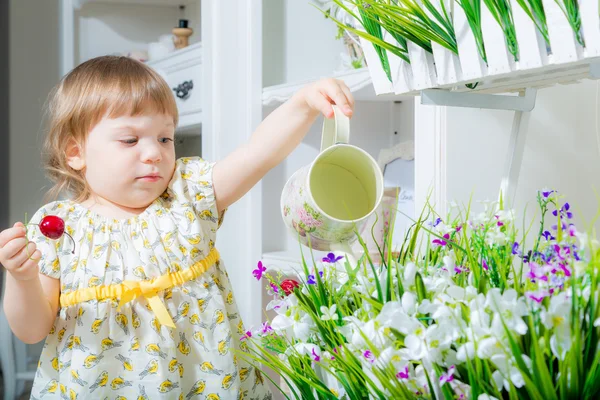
(298, 42)
(562, 150)
(123, 28)
(4, 112)
(34, 70)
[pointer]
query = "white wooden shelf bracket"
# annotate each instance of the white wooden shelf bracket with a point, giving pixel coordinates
(522, 105)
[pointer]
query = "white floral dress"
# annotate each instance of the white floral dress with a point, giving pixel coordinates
(99, 348)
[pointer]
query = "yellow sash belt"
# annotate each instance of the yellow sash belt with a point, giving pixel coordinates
(129, 290)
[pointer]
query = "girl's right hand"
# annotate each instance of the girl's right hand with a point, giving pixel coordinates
(19, 256)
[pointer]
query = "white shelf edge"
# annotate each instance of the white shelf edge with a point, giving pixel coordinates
(515, 81)
(289, 261)
(176, 53)
(359, 82)
(162, 3)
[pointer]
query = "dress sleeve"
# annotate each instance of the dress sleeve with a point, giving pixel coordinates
(193, 183)
(49, 263)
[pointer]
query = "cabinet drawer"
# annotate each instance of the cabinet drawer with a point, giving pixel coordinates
(182, 70)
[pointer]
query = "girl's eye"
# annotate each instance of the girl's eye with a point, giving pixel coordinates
(129, 141)
(165, 140)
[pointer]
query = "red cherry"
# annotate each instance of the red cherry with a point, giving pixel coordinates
(289, 285)
(52, 227)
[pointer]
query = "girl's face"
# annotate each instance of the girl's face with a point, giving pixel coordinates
(129, 161)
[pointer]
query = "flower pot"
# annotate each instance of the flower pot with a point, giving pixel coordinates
(423, 69)
(402, 77)
(381, 82)
(563, 41)
(471, 63)
(447, 63)
(533, 52)
(499, 58)
(590, 25)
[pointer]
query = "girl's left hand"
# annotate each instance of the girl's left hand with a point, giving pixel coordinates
(319, 96)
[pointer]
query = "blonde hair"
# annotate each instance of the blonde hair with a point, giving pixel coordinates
(109, 86)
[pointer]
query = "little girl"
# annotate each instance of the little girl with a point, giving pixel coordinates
(133, 299)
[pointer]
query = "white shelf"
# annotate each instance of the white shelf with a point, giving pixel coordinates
(359, 82)
(164, 3)
(290, 260)
(541, 77)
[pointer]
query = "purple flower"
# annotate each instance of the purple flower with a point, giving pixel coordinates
(311, 278)
(447, 376)
(437, 221)
(536, 272)
(247, 335)
(258, 272)
(403, 374)
(547, 235)
(369, 356)
(565, 270)
(274, 287)
(484, 265)
(562, 253)
(460, 269)
(331, 258)
(441, 242)
(266, 328)
(547, 193)
(515, 248)
(564, 211)
(537, 297)
(315, 356)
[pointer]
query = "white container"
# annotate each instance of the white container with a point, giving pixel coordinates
(381, 83)
(447, 63)
(563, 42)
(590, 25)
(532, 45)
(423, 69)
(471, 63)
(402, 77)
(499, 58)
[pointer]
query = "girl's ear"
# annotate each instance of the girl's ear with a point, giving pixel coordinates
(74, 155)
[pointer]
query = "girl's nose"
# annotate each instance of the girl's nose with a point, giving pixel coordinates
(152, 153)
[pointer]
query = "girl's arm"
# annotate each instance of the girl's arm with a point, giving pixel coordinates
(31, 299)
(276, 137)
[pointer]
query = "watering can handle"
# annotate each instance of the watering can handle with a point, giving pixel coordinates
(336, 129)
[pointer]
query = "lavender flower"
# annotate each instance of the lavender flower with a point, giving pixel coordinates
(331, 258)
(258, 272)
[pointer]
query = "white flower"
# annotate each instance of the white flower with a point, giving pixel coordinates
(466, 352)
(328, 313)
(507, 372)
(557, 318)
(301, 329)
(486, 396)
(428, 343)
(410, 271)
(508, 308)
(495, 237)
(394, 316)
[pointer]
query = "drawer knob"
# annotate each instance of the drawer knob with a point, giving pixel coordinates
(182, 90)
